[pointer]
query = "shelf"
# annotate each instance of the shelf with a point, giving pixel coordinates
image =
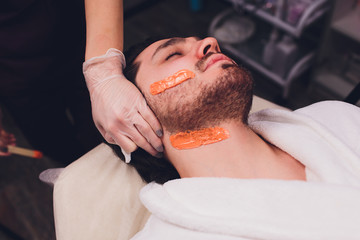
(334, 83)
(349, 25)
(309, 16)
(298, 68)
(250, 52)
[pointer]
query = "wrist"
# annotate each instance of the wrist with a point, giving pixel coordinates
(111, 53)
(102, 68)
(99, 45)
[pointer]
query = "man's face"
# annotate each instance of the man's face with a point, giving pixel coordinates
(165, 57)
(213, 73)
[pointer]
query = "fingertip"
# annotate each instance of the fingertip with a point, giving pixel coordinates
(159, 155)
(159, 133)
(160, 148)
(152, 120)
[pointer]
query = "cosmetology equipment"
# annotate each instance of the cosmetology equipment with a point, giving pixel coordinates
(23, 151)
(236, 29)
(280, 56)
(284, 56)
(337, 76)
(269, 49)
(279, 25)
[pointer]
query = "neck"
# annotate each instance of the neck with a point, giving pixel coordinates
(243, 155)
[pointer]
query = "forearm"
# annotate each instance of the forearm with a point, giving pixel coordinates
(104, 26)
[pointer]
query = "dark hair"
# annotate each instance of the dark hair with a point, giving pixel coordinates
(150, 168)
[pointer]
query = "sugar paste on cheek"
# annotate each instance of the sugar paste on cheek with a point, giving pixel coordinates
(194, 139)
(171, 81)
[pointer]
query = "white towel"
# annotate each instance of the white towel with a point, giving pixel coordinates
(325, 137)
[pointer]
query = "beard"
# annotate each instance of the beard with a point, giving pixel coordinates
(228, 98)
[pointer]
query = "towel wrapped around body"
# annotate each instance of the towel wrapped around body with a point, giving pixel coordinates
(325, 137)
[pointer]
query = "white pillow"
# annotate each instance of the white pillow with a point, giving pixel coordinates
(96, 197)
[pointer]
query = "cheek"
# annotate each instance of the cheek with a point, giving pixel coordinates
(164, 76)
(168, 69)
(145, 80)
(154, 74)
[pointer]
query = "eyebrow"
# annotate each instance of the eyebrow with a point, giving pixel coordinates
(168, 43)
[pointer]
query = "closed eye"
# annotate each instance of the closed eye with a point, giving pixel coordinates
(172, 55)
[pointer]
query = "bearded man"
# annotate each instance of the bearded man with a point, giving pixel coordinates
(275, 174)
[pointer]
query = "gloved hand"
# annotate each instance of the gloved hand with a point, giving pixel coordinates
(119, 110)
(6, 139)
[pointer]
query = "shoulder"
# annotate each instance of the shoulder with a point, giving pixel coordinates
(340, 118)
(332, 113)
(330, 108)
(337, 118)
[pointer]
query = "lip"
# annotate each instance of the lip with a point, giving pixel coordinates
(216, 58)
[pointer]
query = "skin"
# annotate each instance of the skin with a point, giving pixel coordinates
(251, 156)
(182, 53)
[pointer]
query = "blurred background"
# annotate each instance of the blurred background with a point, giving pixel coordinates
(299, 52)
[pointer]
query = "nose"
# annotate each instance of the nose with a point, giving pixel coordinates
(206, 46)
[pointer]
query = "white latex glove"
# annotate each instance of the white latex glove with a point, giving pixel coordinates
(119, 110)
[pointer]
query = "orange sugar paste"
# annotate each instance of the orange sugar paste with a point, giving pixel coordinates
(194, 139)
(172, 81)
